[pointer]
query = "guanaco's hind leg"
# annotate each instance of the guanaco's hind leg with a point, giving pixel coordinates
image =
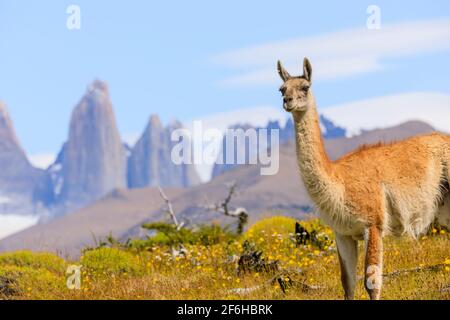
(444, 210)
(374, 262)
(348, 258)
(444, 213)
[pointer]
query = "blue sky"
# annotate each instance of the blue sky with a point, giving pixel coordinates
(188, 59)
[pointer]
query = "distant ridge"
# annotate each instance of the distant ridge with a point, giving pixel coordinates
(286, 133)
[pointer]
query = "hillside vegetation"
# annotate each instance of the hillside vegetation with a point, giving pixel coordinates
(268, 261)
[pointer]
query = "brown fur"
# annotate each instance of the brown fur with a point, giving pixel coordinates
(396, 188)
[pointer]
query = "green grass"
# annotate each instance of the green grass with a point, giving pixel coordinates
(415, 269)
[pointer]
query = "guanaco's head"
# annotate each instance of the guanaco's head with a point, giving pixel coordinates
(296, 90)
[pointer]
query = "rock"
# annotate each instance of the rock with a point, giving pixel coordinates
(93, 160)
(17, 176)
(150, 162)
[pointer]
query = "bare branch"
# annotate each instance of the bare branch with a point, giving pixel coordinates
(231, 190)
(240, 213)
(169, 209)
(279, 278)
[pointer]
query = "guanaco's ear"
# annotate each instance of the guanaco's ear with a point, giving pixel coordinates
(307, 69)
(282, 72)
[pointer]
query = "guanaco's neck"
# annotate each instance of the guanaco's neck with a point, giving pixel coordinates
(315, 166)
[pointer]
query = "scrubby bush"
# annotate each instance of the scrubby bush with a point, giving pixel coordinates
(213, 234)
(168, 234)
(19, 281)
(280, 225)
(108, 261)
(283, 230)
(31, 259)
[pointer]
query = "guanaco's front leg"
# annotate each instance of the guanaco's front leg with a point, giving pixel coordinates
(348, 257)
(374, 262)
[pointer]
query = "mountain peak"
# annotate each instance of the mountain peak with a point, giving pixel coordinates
(17, 176)
(150, 162)
(98, 85)
(3, 110)
(4, 114)
(174, 124)
(154, 121)
(93, 161)
(95, 104)
(6, 127)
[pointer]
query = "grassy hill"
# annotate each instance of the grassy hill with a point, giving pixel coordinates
(267, 262)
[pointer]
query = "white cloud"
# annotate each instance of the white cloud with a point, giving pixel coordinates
(381, 112)
(337, 54)
(255, 116)
(42, 160)
(10, 224)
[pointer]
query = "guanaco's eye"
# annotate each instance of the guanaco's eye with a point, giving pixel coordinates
(282, 90)
(305, 88)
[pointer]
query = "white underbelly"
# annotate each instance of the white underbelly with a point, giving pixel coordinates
(344, 224)
(411, 213)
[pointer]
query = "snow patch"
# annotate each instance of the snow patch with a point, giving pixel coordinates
(58, 185)
(42, 160)
(56, 167)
